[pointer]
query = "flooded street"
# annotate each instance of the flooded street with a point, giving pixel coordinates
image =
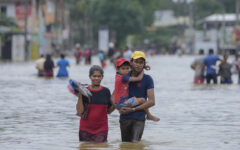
(38, 113)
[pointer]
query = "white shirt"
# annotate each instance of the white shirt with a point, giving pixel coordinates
(39, 64)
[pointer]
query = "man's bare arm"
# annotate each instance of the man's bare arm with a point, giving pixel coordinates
(136, 79)
(149, 103)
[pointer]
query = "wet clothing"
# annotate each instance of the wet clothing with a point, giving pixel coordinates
(102, 59)
(98, 137)
(198, 80)
(225, 70)
(210, 77)
(132, 124)
(226, 81)
(139, 90)
(133, 129)
(48, 68)
(121, 87)
(88, 56)
(199, 71)
(225, 73)
(62, 72)
(198, 63)
(78, 54)
(101, 56)
(210, 61)
(40, 66)
(121, 98)
(95, 127)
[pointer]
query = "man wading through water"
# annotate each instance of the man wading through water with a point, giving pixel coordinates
(132, 120)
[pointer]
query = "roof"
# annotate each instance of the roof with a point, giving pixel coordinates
(173, 22)
(219, 18)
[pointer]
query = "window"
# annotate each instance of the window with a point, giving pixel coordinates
(3, 10)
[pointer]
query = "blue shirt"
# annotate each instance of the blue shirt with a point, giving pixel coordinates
(101, 56)
(62, 72)
(139, 90)
(210, 61)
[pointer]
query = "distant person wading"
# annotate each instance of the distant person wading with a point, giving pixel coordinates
(210, 62)
(198, 67)
(63, 64)
(48, 66)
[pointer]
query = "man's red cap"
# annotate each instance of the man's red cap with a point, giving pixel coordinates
(120, 61)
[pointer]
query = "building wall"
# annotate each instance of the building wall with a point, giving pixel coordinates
(10, 9)
(45, 24)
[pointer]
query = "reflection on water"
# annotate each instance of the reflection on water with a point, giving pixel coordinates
(99, 146)
(132, 146)
(38, 113)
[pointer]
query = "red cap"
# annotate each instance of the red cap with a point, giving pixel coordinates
(120, 61)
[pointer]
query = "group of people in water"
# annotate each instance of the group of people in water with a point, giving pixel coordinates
(132, 96)
(45, 66)
(133, 92)
(79, 54)
(206, 68)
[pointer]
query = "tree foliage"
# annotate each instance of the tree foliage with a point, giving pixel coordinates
(124, 17)
(6, 21)
(77, 20)
(132, 17)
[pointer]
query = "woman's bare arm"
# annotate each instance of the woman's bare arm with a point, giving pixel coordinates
(79, 106)
(112, 108)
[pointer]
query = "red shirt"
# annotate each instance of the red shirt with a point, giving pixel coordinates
(97, 119)
(121, 87)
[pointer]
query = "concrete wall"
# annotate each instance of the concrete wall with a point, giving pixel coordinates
(10, 9)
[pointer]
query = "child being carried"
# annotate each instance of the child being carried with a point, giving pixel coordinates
(122, 79)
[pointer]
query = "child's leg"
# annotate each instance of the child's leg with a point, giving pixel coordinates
(150, 116)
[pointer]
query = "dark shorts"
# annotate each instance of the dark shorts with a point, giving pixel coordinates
(210, 77)
(40, 74)
(99, 137)
(226, 81)
(131, 129)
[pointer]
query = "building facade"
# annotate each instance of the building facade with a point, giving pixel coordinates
(44, 31)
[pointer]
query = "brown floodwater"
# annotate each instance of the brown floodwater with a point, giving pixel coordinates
(38, 113)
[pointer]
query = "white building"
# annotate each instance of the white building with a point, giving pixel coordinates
(164, 18)
(219, 30)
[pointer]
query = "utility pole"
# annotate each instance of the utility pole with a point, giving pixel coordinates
(237, 11)
(88, 38)
(237, 22)
(25, 29)
(191, 25)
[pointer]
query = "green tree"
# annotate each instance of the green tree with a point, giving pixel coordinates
(6, 21)
(121, 16)
(150, 6)
(78, 20)
(229, 5)
(205, 8)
